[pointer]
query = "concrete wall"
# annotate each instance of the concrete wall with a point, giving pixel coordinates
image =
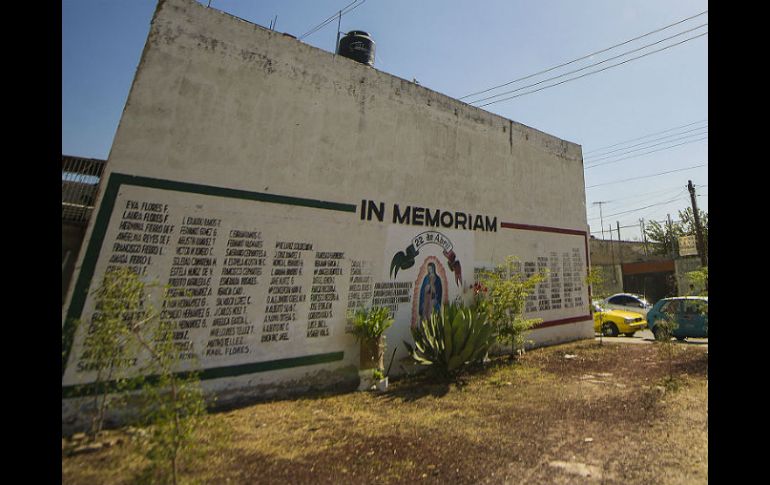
(236, 138)
(684, 266)
(605, 252)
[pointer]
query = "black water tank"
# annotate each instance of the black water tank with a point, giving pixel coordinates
(357, 45)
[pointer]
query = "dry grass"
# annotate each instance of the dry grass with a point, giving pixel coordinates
(600, 417)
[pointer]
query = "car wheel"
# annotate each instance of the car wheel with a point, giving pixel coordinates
(631, 334)
(658, 333)
(609, 330)
(681, 339)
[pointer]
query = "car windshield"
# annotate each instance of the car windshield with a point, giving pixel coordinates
(643, 301)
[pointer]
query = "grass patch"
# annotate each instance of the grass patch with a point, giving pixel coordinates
(543, 419)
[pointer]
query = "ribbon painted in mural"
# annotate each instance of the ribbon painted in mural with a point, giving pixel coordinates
(405, 259)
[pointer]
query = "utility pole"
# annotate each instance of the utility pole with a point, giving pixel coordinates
(612, 253)
(339, 24)
(644, 236)
(601, 217)
(620, 249)
(670, 236)
(698, 229)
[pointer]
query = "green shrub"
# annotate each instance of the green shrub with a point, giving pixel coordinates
(451, 338)
(502, 296)
(371, 323)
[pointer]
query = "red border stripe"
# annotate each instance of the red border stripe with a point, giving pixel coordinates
(528, 227)
(563, 321)
(557, 230)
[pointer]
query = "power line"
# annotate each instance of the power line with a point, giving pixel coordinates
(645, 136)
(607, 154)
(648, 194)
(647, 153)
(588, 73)
(678, 197)
(647, 176)
(594, 64)
(343, 11)
(585, 57)
(646, 199)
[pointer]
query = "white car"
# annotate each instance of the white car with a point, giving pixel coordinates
(628, 302)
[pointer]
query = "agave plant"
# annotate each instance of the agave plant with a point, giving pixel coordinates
(451, 338)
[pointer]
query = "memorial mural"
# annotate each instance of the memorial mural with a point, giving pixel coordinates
(261, 282)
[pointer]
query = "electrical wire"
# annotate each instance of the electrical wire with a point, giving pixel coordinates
(647, 176)
(646, 153)
(678, 197)
(646, 197)
(343, 11)
(594, 64)
(590, 73)
(607, 155)
(645, 136)
(585, 57)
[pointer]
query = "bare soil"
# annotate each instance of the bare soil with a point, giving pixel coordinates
(574, 413)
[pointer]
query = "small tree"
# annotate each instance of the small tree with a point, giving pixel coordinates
(596, 280)
(123, 325)
(174, 405)
(109, 346)
(664, 332)
(501, 296)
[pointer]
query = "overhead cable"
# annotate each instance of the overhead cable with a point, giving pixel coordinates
(591, 65)
(647, 176)
(586, 56)
(607, 154)
(582, 75)
(645, 136)
(646, 153)
(343, 11)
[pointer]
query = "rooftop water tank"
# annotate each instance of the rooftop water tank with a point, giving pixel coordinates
(357, 45)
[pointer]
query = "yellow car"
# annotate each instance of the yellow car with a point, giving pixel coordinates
(611, 323)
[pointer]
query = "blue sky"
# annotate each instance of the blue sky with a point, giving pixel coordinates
(635, 121)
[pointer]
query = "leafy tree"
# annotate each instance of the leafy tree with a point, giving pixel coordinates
(664, 238)
(109, 346)
(596, 279)
(174, 404)
(124, 325)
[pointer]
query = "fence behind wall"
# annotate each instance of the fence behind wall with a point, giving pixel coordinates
(79, 183)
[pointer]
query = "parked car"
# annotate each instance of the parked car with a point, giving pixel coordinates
(611, 323)
(628, 302)
(691, 314)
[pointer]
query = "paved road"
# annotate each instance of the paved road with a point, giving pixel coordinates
(646, 337)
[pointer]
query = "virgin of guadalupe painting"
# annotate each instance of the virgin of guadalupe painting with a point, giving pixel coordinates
(431, 293)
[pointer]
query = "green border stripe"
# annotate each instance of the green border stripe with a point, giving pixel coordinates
(106, 207)
(217, 372)
(229, 193)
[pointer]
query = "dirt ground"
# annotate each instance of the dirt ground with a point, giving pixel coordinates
(574, 413)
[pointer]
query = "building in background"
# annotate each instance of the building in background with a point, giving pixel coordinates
(630, 267)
